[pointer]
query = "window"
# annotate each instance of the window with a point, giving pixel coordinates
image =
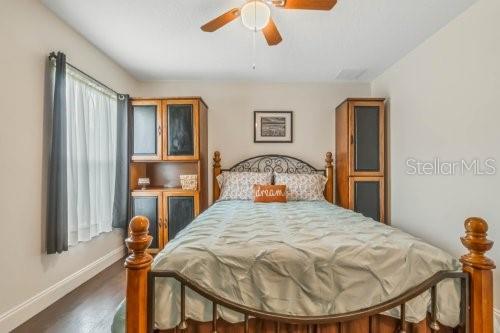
(91, 164)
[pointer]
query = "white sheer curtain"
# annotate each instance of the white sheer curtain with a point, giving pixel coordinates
(92, 133)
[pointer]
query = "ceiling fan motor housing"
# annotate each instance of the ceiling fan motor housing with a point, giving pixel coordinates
(255, 15)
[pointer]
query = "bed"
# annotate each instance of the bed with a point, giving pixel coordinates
(303, 266)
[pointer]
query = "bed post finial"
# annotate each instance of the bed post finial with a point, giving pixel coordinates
(216, 159)
(329, 177)
(138, 264)
(480, 269)
(216, 172)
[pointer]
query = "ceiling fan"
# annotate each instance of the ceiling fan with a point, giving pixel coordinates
(256, 15)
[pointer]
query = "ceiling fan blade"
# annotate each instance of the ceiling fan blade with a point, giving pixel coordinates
(221, 21)
(271, 33)
(310, 4)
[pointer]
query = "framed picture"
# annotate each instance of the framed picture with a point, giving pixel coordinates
(273, 126)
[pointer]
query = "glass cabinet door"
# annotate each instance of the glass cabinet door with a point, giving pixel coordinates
(146, 130)
(367, 138)
(180, 140)
(149, 204)
(181, 207)
(367, 197)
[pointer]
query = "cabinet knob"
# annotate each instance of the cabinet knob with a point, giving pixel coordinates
(159, 130)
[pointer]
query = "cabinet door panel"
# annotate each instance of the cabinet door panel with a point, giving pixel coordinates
(146, 130)
(148, 206)
(367, 196)
(180, 214)
(366, 138)
(144, 124)
(180, 208)
(367, 199)
(180, 130)
(181, 137)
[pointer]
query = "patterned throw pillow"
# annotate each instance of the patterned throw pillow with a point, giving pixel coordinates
(306, 187)
(239, 185)
(269, 193)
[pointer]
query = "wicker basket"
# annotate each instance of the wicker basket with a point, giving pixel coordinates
(189, 182)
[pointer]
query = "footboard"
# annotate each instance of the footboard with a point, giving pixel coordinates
(476, 300)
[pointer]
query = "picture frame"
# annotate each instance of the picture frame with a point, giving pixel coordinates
(273, 127)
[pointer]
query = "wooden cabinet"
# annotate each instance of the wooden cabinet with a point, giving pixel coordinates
(169, 211)
(169, 138)
(360, 156)
(167, 129)
(146, 130)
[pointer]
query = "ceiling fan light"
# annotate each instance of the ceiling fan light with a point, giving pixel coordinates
(255, 15)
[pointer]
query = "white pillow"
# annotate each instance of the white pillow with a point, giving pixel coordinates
(239, 185)
(306, 187)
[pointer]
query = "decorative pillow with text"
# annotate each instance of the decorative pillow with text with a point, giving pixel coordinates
(269, 193)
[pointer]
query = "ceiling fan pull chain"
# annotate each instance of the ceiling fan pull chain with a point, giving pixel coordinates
(254, 51)
(254, 65)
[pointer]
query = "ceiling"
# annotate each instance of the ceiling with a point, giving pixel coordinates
(162, 40)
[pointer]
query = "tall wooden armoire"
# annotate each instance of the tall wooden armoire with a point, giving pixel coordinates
(169, 138)
(360, 156)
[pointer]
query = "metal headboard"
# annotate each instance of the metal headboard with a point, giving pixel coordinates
(275, 163)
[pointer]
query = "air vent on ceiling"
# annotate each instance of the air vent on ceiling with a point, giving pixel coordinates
(350, 74)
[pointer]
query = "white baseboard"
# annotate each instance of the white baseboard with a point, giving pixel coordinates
(24, 311)
(496, 320)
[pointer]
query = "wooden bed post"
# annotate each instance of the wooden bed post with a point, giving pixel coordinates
(480, 269)
(138, 264)
(216, 172)
(329, 176)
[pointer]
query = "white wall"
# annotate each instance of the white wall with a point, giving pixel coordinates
(444, 102)
(28, 32)
(231, 106)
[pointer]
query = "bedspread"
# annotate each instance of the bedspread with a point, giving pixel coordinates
(299, 258)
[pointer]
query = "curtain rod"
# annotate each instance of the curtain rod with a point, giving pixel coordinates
(53, 56)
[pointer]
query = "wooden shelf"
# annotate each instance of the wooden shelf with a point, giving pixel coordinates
(163, 189)
(193, 160)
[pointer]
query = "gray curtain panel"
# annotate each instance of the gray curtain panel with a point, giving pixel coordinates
(120, 205)
(57, 198)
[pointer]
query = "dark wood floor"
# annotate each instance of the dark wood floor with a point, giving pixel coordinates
(89, 308)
